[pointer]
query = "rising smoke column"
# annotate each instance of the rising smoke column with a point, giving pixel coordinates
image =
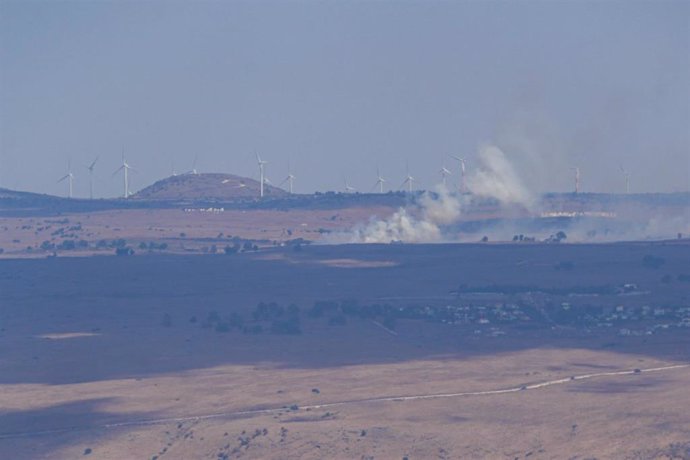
(494, 178)
(433, 210)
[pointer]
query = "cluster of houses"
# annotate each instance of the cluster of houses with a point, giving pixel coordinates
(615, 311)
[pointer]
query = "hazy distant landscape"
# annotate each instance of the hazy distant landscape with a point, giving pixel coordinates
(369, 230)
(189, 321)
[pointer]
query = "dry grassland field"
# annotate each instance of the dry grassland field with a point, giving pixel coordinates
(182, 230)
(355, 351)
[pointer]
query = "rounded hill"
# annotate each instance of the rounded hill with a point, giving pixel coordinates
(206, 187)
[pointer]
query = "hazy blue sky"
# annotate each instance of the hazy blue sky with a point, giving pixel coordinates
(340, 88)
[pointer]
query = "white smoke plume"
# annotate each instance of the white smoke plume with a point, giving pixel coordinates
(419, 225)
(495, 178)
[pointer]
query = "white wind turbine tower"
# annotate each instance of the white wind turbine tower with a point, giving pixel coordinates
(348, 187)
(262, 174)
(577, 178)
(444, 174)
(379, 181)
(125, 167)
(193, 171)
(463, 181)
(289, 179)
(408, 181)
(90, 168)
(627, 179)
(69, 176)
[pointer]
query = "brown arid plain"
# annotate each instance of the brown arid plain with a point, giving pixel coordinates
(121, 358)
(184, 230)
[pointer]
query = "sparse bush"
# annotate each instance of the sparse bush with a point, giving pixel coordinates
(651, 261)
(236, 320)
(67, 245)
(222, 327)
(288, 327)
(124, 251)
(267, 312)
(119, 243)
(234, 249)
(320, 308)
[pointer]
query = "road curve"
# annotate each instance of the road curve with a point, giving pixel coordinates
(251, 412)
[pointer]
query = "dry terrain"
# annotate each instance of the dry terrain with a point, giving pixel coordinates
(192, 229)
(113, 357)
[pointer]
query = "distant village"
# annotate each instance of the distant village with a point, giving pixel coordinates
(484, 312)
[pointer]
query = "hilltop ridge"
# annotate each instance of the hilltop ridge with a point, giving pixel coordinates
(206, 187)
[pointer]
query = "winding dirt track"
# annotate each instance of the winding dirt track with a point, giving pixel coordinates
(250, 412)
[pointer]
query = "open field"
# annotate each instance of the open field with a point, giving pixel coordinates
(182, 230)
(122, 356)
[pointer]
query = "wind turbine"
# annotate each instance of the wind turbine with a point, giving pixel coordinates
(193, 171)
(444, 174)
(408, 181)
(577, 178)
(379, 181)
(627, 179)
(69, 176)
(262, 172)
(125, 169)
(289, 179)
(90, 168)
(463, 182)
(349, 188)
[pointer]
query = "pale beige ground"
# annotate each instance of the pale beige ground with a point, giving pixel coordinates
(609, 417)
(183, 230)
